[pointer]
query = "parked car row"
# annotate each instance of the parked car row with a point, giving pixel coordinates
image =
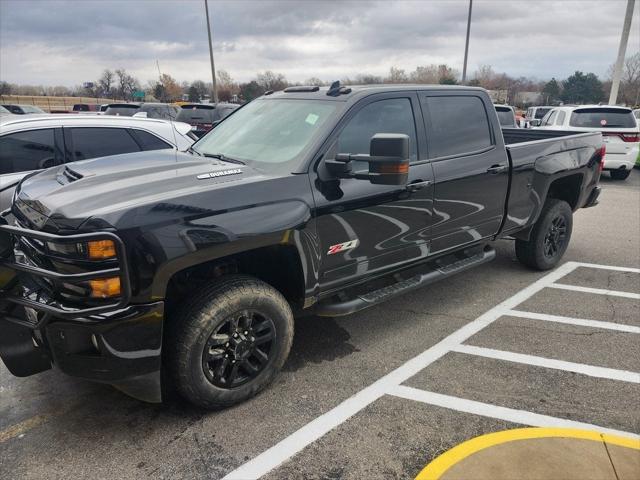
(35, 142)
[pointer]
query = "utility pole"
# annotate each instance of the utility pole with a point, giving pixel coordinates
(466, 45)
(213, 68)
(622, 49)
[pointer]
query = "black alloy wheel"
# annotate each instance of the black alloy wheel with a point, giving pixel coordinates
(555, 237)
(238, 349)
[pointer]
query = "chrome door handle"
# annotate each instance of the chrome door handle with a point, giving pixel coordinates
(419, 185)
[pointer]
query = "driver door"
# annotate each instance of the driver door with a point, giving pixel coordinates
(365, 228)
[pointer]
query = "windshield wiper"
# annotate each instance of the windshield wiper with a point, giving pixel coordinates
(222, 157)
(193, 150)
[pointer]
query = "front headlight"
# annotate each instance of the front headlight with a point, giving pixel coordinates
(94, 250)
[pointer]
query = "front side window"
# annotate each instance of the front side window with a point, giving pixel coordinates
(458, 125)
(549, 118)
(26, 151)
(393, 115)
(541, 112)
(561, 117)
(269, 132)
(101, 142)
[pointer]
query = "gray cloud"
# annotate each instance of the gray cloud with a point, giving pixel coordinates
(68, 42)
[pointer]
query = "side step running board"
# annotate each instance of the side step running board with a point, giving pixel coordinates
(339, 305)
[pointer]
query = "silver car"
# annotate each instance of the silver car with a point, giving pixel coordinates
(35, 142)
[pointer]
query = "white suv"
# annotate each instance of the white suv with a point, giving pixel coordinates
(619, 129)
(35, 142)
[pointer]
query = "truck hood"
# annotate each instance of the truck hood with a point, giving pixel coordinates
(101, 186)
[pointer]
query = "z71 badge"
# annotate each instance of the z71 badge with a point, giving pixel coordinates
(341, 247)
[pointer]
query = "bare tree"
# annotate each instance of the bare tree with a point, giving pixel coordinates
(127, 84)
(425, 74)
(314, 81)
(396, 75)
(272, 81)
(105, 83)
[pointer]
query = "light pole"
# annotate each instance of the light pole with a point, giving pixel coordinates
(213, 68)
(466, 45)
(622, 49)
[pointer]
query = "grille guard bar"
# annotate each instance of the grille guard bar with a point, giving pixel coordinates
(122, 271)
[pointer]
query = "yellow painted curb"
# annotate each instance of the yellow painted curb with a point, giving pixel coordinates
(435, 469)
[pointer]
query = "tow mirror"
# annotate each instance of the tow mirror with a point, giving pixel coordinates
(388, 161)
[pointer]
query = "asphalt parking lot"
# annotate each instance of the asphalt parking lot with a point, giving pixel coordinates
(380, 393)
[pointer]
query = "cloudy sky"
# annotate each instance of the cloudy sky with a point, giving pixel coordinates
(67, 42)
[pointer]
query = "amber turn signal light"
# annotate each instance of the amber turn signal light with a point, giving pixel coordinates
(101, 249)
(105, 287)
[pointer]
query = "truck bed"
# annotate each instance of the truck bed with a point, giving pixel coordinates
(521, 135)
(535, 156)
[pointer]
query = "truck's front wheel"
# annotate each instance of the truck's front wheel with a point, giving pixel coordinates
(228, 341)
(549, 238)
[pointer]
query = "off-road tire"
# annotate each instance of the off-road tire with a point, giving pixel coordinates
(532, 252)
(197, 317)
(620, 174)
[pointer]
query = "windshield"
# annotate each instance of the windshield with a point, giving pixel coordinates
(268, 132)
(31, 109)
(602, 118)
(506, 117)
(541, 112)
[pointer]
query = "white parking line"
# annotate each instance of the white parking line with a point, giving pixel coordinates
(608, 267)
(598, 291)
(620, 327)
(309, 433)
(590, 370)
(494, 411)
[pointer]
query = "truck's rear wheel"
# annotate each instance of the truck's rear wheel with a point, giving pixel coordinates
(620, 174)
(229, 341)
(549, 238)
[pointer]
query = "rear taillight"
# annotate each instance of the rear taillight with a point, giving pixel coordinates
(626, 137)
(600, 152)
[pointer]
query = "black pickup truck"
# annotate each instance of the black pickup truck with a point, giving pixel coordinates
(187, 269)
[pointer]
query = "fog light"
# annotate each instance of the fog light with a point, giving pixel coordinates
(105, 287)
(101, 249)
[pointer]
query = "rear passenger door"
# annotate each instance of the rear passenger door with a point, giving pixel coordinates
(470, 166)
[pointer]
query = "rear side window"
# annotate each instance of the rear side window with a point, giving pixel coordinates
(101, 142)
(148, 141)
(25, 151)
(602, 118)
(458, 125)
(394, 115)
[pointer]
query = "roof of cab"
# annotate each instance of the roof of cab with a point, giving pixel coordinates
(353, 92)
